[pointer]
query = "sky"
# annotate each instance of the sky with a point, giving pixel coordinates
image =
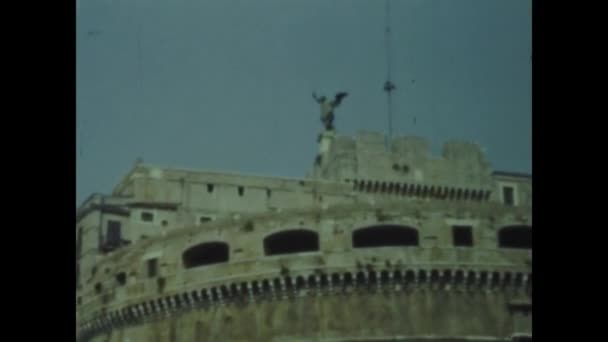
(226, 85)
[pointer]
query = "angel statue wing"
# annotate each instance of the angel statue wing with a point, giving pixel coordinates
(339, 97)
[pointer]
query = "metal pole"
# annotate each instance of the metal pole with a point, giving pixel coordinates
(388, 85)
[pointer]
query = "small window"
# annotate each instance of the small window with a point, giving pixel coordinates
(204, 219)
(508, 195)
(121, 278)
(113, 237)
(462, 236)
(160, 283)
(152, 268)
(241, 190)
(248, 227)
(147, 216)
(268, 193)
(164, 223)
(209, 188)
(385, 236)
(515, 237)
(98, 288)
(79, 300)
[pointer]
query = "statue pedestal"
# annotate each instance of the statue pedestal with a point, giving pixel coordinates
(325, 140)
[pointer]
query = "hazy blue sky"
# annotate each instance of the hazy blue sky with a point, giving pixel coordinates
(226, 84)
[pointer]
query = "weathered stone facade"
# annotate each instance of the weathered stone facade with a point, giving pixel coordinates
(378, 244)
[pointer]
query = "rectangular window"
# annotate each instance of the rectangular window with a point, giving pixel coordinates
(508, 195)
(152, 268)
(462, 236)
(147, 216)
(121, 278)
(204, 219)
(241, 190)
(113, 237)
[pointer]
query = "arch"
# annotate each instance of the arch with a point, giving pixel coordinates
(385, 236)
(360, 277)
(234, 290)
(291, 241)
(276, 283)
(289, 283)
(335, 279)
(422, 276)
(324, 280)
(266, 287)
(435, 275)
(205, 253)
(300, 282)
(515, 237)
(483, 278)
(373, 277)
(384, 277)
(348, 279)
(312, 281)
(255, 287)
(459, 277)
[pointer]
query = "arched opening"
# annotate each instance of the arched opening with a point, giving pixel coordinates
(515, 237)
(385, 235)
(205, 254)
(300, 283)
(335, 279)
(291, 241)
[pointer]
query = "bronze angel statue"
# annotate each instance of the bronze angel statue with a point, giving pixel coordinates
(327, 108)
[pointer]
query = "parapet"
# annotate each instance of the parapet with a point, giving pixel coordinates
(408, 159)
(411, 148)
(466, 151)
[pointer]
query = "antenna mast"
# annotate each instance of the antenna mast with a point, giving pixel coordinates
(388, 85)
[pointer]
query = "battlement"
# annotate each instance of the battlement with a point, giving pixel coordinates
(462, 164)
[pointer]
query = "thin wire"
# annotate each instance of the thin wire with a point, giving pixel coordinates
(139, 50)
(388, 42)
(388, 86)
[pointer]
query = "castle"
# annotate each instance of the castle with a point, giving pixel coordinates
(381, 242)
